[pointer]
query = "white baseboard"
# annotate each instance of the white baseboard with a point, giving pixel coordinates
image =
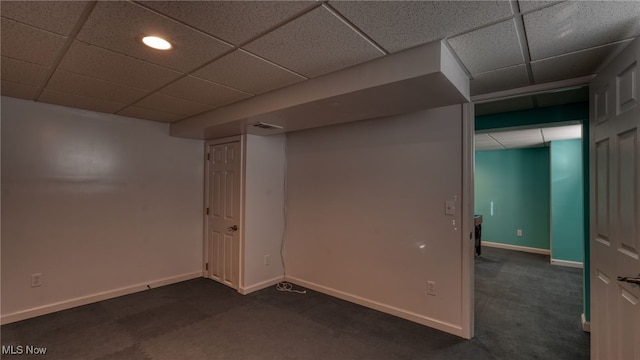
(259, 286)
(573, 264)
(586, 325)
(408, 315)
(88, 299)
(516, 247)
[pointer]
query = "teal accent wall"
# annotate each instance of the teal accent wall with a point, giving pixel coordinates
(517, 183)
(567, 218)
(561, 113)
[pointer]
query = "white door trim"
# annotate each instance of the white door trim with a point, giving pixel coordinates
(468, 225)
(241, 140)
(531, 90)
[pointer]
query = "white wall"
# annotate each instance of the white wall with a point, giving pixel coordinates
(100, 204)
(264, 210)
(365, 214)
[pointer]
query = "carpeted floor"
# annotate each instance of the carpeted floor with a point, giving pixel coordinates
(525, 309)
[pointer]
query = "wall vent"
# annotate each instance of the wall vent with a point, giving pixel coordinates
(266, 126)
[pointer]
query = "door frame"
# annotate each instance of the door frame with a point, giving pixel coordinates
(205, 250)
(468, 224)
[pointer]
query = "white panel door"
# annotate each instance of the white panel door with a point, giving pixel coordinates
(615, 208)
(223, 213)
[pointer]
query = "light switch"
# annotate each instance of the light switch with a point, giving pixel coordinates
(449, 207)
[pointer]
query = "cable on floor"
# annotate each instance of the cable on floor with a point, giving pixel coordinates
(288, 287)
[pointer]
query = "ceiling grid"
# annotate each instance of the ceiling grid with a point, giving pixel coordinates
(87, 54)
(526, 138)
(72, 35)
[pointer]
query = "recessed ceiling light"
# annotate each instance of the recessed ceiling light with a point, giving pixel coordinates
(156, 42)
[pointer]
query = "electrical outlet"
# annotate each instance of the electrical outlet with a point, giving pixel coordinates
(519, 232)
(267, 259)
(36, 279)
(431, 288)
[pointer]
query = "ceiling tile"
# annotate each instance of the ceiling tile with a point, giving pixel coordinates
(563, 97)
(149, 114)
(486, 142)
(174, 105)
(519, 138)
(23, 72)
(572, 65)
(498, 80)
(203, 91)
(56, 16)
(43, 46)
(503, 106)
(17, 90)
(82, 85)
(106, 65)
(78, 101)
(247, 72)
(191, 48)
(562, 133)
(531, 5)
(399, 25)
(231, 21)
(314, 44)
(489, 48)
(514, 139)
(577, 25)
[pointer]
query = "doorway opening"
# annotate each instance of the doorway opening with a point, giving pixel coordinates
(532, 190)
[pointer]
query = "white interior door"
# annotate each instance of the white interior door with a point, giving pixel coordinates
(223, 213)
(615, 208)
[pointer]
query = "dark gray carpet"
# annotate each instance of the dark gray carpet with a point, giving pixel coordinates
(525, 309)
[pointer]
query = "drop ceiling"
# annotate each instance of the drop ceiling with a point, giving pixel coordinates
(88, 54)
(525, 138)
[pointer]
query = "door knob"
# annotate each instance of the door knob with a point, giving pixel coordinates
(233, 228)
(632, 280)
